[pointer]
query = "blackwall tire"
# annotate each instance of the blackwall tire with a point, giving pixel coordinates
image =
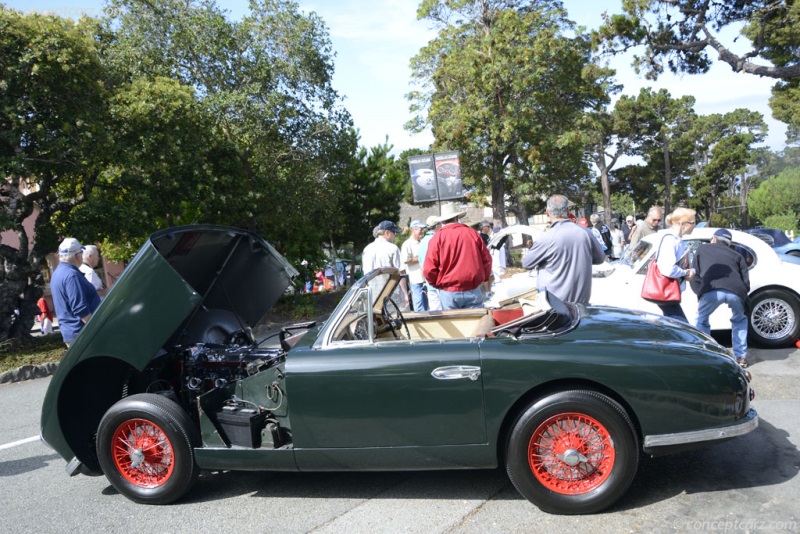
(573, 452)
(145, 445)
(774, 318)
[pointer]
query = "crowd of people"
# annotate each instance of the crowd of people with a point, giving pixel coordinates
(449, 266)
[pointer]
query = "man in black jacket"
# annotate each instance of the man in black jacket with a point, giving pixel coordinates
(605, 233)
(721, 277)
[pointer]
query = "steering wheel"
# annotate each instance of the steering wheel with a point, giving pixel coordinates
(394, 322)
(361, 330)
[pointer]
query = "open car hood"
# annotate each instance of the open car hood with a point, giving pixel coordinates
(229, 268)
(188, 284)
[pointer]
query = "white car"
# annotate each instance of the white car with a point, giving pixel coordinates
(774, 316)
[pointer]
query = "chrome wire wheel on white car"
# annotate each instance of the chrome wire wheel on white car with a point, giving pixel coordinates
(773, 318)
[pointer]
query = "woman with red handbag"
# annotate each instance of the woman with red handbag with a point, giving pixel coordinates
(673, 262)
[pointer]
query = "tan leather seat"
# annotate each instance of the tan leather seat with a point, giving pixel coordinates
(484, 326)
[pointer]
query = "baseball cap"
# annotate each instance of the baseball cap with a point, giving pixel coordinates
(723, 235)
(629, 218)
(417, 224)
(431, 221)
(389, 225)
(69, 247)
(583, 222)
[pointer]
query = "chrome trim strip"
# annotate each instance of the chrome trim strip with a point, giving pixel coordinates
(748, 424)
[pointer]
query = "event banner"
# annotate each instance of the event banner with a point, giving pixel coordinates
(448, 176)
(423, 178)
(436, 177)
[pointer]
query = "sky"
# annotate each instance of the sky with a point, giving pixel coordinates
(374, 41)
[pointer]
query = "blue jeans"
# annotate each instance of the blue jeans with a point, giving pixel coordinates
(454, 300)
(710, 301)
(419, 298)
(674, 310)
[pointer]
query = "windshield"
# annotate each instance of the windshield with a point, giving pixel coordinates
(635, 254)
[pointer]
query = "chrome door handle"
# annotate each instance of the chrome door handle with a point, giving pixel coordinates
(454, 372)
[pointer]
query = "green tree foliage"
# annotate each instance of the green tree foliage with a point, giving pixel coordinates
(505, 86)
(169, 165)
(266, 82)
(638, 183)
(623, 205)
(783, 222)
(660, 124)
(374, 188)
(682, 34)
(609, 136)
(722, 152)
(778, 196)
(51, 95)
(166, 113)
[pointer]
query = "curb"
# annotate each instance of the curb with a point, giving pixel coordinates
(28, 372)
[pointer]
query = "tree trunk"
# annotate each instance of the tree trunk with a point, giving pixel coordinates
(604, 183)
(522, 212)
(667, 177)
(499, 198)
(743, 200)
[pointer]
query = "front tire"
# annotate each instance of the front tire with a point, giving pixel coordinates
(774, 318)
(573, 452)
(145, 445)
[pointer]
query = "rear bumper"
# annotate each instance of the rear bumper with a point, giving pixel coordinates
(745, 425)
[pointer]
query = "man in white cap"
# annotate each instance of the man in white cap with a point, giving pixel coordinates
(457, 262)
(74, 297)
(91, 259)
(409, 255)
(627, 228)
(382, 252)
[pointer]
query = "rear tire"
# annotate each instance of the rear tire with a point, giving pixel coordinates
(573, 452)
(774, 318)
(145, 445)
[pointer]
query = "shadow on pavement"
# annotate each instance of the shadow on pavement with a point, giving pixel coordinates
(771, 459)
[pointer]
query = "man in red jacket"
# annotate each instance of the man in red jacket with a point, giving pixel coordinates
(457, 262)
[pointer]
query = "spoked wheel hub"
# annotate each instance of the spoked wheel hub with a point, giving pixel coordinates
(773, 318)
(571, 453)
(142, 453)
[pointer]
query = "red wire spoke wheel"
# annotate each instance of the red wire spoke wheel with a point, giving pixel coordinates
(142, 453)
(145, 446)
(571, 453)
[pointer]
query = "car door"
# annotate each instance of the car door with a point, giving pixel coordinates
(387, 394)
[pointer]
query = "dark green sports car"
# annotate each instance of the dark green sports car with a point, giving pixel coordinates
(170, 376)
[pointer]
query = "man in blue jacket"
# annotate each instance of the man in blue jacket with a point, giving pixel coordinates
(74, 297)
(721, 277)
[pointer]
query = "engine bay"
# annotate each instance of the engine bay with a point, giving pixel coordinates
(233, 390)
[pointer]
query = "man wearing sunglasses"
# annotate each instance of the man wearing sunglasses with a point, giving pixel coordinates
(649, 225)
